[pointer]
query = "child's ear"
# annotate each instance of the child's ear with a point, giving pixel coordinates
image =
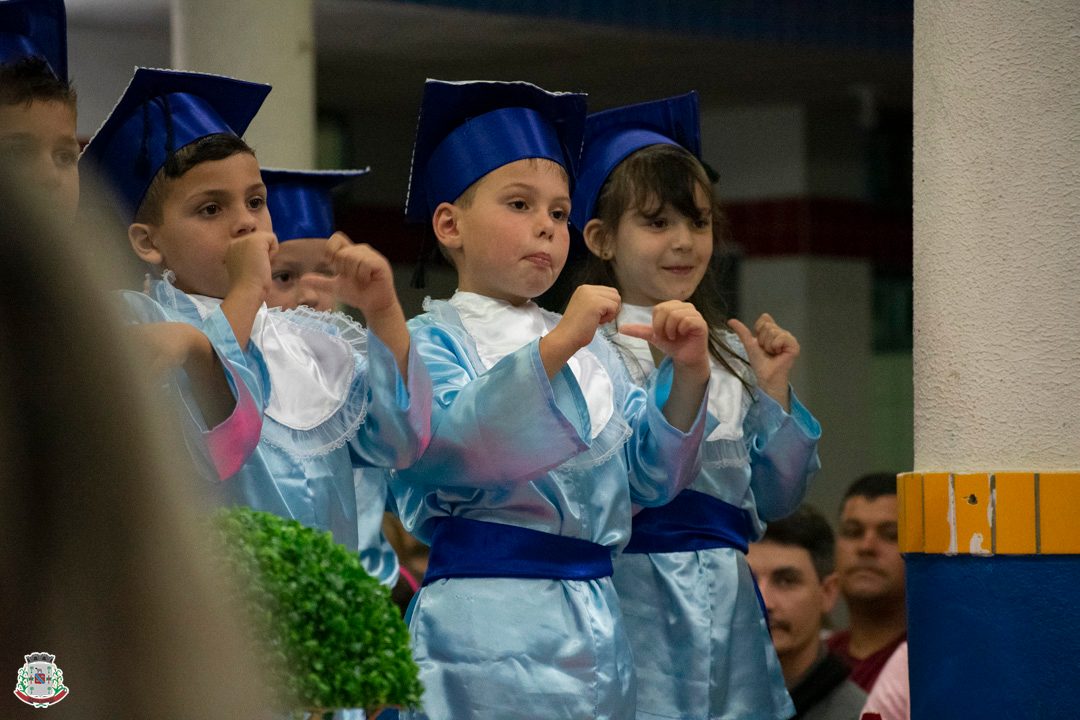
(446, 222)
(142, 242)
(597, 239)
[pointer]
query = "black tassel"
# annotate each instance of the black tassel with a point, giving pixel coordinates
(142, 161)
(170, 139)
(419, 275)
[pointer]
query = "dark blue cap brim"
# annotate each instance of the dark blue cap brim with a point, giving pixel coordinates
(160, 112)
(34, 28)
(300, 201)
(612, 135)
(471, 128)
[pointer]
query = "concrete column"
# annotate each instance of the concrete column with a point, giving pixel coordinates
(988, 518)
(263, 42)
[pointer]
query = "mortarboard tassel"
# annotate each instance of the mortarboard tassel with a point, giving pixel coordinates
(142, 161)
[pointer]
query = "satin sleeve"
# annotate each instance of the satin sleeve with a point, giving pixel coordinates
(783, 454)
(397, 425)
(505, 425)
(231, 442)
(663, 460)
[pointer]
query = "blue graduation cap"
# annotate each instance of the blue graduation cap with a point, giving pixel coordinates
(34, 28)
(468, 129)
(612, 135)
(300, 203)
(160, 112)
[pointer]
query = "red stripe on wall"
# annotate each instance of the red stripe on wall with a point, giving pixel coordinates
(761, 228)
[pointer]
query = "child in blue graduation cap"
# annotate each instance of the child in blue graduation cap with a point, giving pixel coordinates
(540, 441)
(326, 394)
(701, 642)
(302, 209)
(37, 103)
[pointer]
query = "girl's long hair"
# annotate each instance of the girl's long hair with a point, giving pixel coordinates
(653, 179)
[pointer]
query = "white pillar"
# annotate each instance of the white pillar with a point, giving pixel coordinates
(264, 42)
(997, 236)
(991, 540)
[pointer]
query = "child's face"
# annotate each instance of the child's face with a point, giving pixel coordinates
(203, 211)
(294, 260)
(663, 257)
(515, 235)
(37, 141)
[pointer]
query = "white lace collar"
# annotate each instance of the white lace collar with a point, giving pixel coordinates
(499, 328)
(310, 371)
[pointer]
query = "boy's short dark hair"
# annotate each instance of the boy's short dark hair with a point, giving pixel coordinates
(808, 529)
(212, 147)
(871, 487)
(32, 79)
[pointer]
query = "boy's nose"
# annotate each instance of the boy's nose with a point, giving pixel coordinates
(306, 294)
(545, 225)
(245, 223)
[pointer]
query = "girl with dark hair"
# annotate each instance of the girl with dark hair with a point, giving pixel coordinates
(646, 211)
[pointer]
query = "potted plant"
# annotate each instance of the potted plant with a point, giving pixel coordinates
(333, 637)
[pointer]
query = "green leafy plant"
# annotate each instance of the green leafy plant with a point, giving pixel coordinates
(334, 638)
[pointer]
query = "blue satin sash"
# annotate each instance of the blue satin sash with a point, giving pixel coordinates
(692, 521)
(466, 548)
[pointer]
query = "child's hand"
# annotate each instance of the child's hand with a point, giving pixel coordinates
(364, 279)
(590, 307)
(771, 351)
(680, 332)
(247, 260)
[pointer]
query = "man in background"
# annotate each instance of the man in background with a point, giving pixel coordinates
(793, 564)
(870, 570)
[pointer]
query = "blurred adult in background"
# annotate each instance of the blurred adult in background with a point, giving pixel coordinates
(793, 564)
(871, 573)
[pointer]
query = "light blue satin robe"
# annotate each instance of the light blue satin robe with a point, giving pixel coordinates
(701, 644)
(341, 487)
(510, 446)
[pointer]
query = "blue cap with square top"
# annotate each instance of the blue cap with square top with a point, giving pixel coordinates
(612, 135)
(468, 129)
(300, 201)
(160, 112)
(34, 28)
